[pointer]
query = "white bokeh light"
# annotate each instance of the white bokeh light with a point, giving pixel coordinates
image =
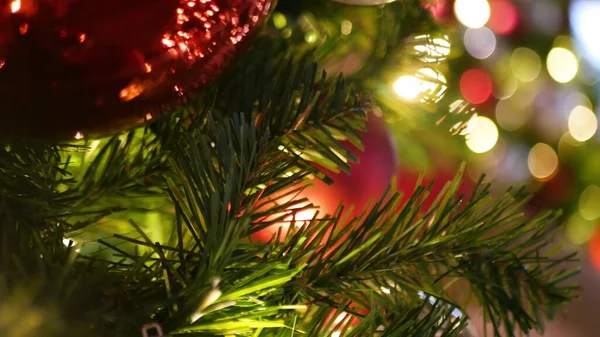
(472, 13)
(480, 42)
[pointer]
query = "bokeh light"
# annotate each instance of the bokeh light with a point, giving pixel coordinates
(562, 64)
(510, 115)
(480, 42)
(584, 18)
(476, 86)
(525, 64)
(484, 135)
(504, 17)
(589, 202)
(428, 85)
(583, 124)
(472, 13)
(579, 230)
(542, 161)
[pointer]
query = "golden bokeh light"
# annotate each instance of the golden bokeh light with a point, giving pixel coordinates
(525, 64)
(562, 65)
(427, 84)
(542, 161)
(589, 203)
(484, 135)
(472, 13)
(510, 115)
(346, 28)
(583, 123)
(579, 230)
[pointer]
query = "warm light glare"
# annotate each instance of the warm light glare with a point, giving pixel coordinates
(484, 135)
(480, 42)
(542, 161)
(15, 6)
(428, 84)
(589, 203)
(525, 64)
(562, 65)
(583, 123)
(336, 334)
(472, 13)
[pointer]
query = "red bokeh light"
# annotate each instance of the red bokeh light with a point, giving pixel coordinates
(476, 86)
(594, 250)
(504, 16)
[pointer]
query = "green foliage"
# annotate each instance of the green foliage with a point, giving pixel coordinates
(161, 220)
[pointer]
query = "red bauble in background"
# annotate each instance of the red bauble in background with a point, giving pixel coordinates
(594, 250)
(86, 67)
(368, 178)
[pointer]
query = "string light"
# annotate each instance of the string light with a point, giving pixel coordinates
(583, 123)
(472, 13)
(562, 64)
(542, 161)
(525, 64)
(484, 135)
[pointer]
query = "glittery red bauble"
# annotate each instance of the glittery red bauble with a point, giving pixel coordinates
(89, 67)
(368, 178)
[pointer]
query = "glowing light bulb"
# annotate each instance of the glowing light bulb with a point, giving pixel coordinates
(542, 161)
(472, 13)
(562, 64)
(525, 64)
(579, 230)
(484, 135)
(588, 203)
(428, 84)
(583, 123)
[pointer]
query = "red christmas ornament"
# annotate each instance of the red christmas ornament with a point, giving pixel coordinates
(368, 178)
(86, 67)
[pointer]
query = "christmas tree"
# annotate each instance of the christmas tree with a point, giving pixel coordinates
(243, 181)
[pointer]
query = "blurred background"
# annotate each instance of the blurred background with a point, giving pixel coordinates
(530, 68)
(525, 74)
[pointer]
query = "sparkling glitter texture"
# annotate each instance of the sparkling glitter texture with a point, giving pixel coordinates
(92, 67)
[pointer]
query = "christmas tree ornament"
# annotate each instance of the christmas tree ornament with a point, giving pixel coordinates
(368, 178)
(364, 2)
(80, 68)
